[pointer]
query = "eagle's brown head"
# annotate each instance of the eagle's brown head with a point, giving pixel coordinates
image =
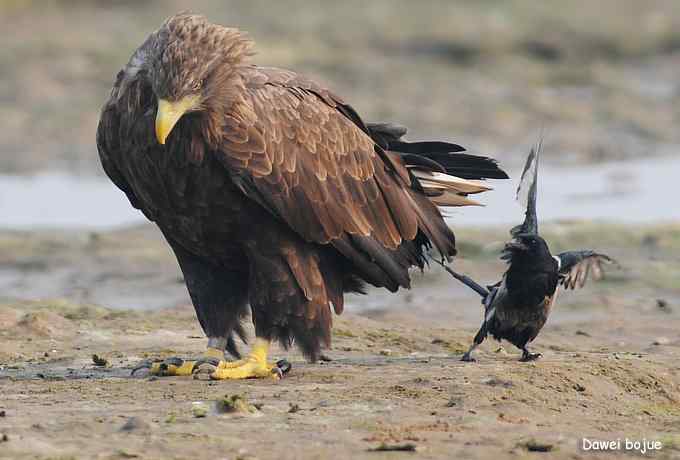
(194, 68)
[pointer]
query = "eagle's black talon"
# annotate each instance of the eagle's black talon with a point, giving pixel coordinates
(278, 372)
(284, 366)
(174, 361)
(207, 360)
(204, 367)
(143, 365)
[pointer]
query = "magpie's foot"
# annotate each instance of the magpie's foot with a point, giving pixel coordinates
(467, 357)
(528, 356)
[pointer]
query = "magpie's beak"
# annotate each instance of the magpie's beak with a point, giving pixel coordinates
(516, 245)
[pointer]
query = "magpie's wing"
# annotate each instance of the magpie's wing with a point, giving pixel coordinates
(575, 266)
(526, 193)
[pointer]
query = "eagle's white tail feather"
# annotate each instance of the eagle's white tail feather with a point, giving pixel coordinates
(447, 190)
(451, 182)
(449, 198)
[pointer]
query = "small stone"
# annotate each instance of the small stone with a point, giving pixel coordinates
(580, 388)
(199, 409)
(386, 352)
(533, 445)
(661, 341)
(99, 361)
(407, 447)
(243, 454)
(4, 438)
(235, 404)
(496, 382)
(293, 408)
(134, 424)
(453, 402)
(2, 413)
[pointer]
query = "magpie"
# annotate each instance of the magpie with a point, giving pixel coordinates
(517, 307)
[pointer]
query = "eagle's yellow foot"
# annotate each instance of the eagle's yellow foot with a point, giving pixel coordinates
(253, 366)
(181, 367)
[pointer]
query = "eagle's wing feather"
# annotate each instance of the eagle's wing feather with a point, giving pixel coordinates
(312, 167)
(576, 266)
(307, 157)
(108, 147)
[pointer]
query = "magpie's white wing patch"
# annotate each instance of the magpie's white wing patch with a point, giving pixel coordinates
(577, 266)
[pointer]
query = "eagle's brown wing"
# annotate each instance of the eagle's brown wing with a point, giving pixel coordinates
(576, 266)
(307, 157)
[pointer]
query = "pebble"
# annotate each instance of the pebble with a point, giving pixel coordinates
(134, 424)
(293, 408)
(199, 409)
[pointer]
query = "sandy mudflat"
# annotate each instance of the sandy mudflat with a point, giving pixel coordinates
(610, 369)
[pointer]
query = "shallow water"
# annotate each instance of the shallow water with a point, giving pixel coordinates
(640, 191)
(56, 200)
(628, 192)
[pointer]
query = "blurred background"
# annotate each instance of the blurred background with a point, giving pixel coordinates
(598, 79)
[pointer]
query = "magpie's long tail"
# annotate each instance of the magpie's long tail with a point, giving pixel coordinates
(527, 191)
(466, 280)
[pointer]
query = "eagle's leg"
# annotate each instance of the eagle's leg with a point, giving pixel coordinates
(220, 299)
(281, 309)
(254, 365)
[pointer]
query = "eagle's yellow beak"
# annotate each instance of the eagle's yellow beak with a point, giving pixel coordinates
(169, 113)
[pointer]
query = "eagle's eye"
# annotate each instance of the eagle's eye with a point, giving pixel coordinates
(198, 84)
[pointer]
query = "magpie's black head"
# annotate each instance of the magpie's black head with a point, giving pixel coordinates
(527, 248)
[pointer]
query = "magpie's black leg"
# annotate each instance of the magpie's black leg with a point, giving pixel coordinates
(528, 356)
(479, 338)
